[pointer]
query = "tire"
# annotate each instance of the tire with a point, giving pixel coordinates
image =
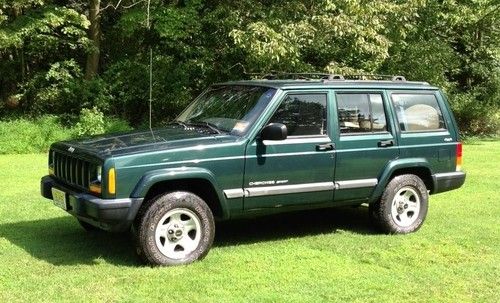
(89, 227)
(403, 206)
(175, 228)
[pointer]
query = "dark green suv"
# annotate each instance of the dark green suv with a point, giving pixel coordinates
(258, 147)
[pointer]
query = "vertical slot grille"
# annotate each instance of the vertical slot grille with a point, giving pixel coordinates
(73, 171)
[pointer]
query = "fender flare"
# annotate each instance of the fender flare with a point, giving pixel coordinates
(151, 178)
(391, 167)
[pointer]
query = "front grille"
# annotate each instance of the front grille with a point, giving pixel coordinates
(73, 171)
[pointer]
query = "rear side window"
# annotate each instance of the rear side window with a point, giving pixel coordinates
(418, 112)
(303, 114)
(361, 113)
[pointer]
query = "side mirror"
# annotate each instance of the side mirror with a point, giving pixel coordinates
(274, 131)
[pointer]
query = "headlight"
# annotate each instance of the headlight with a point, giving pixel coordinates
(95, 186)
(99, 174)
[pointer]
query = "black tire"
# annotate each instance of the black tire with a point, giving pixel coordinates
(89, 227)
(403, 206)
(153, 249)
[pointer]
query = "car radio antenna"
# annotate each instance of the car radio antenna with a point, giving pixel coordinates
(148, 24)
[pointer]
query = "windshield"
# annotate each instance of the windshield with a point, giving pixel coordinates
(228, 108)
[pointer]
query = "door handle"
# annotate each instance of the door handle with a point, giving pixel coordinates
(386, 143)
(324, 147)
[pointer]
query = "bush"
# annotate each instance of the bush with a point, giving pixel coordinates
(25, 136)
(474, 116)
(91, 123)
(62, 90)
(114, 125)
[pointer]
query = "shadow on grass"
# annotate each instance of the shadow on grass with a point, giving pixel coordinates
(61, 241)
(294, 225)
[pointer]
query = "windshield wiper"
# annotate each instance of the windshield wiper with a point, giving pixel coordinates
(208, 125)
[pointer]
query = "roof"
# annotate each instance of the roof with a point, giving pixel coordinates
(321, 84)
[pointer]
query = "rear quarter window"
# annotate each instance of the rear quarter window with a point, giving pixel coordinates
(418, 112)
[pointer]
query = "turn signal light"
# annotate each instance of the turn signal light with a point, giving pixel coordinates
(95, 188)
(111, 181)
(459, 156)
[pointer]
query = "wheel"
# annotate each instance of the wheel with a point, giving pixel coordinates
(89, 227)
(176, 228)
(403, 206)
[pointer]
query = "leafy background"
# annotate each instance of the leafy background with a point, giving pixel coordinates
(90, 58)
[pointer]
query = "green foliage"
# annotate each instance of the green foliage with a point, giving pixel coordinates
(115, 125)
(91, 122)
(475, 117)
(454, 44)
(24, 136)
(62, 90)
(34, 35)
(44, 93)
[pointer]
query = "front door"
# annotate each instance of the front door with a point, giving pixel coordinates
(300, 169)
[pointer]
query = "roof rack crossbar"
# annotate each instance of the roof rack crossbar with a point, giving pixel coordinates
(275, 75)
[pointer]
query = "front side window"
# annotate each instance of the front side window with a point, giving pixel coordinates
(418, 112)
(303, 114)
(361, 113)
(228, 108)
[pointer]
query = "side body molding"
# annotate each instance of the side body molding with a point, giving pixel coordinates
(391, 167)
(171, 174)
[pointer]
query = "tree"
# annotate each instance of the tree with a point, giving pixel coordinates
(92, 66)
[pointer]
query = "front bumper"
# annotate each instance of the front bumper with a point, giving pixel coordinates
(447, 181)
(109, 214)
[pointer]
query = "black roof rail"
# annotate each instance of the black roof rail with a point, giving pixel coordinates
(277, 75)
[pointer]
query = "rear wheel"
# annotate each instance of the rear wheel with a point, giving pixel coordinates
(403, 206)
(176, 228)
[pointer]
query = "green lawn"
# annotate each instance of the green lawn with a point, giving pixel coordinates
(321, 256)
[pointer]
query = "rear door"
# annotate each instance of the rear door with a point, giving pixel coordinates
(424, 128)
(366, 142)
(298, 170)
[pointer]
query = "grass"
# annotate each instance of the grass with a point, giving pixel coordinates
(320, 256)
(25, 136)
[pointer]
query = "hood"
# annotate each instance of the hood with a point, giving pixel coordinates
(142, 141)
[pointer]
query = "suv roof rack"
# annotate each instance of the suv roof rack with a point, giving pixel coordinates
(277, 75)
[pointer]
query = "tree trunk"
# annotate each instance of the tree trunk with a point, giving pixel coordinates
(92, 66)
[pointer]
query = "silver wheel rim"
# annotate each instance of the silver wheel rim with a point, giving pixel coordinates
(178, 233)
(405, 206)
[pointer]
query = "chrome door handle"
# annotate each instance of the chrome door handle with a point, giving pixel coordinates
(386, 143)
(325, 147)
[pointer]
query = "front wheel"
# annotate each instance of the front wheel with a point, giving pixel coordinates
(177, 228)
(403, 206)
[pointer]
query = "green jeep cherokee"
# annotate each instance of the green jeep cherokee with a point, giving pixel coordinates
(258, 147)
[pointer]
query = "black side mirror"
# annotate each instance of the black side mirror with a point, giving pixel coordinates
(274, 131)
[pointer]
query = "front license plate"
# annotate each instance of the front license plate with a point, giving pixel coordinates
(59, 198)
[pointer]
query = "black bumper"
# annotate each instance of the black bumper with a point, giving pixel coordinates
(109, 214)
(447, 181)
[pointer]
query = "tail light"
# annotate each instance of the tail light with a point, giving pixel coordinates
(459, 156)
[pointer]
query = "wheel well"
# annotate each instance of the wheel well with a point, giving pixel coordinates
(422, 172)
(200, 187)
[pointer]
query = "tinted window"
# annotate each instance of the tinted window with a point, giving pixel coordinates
(418, 112)
(303, 114)
(361, 113)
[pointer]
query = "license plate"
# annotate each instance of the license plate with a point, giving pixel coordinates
(59, 198)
